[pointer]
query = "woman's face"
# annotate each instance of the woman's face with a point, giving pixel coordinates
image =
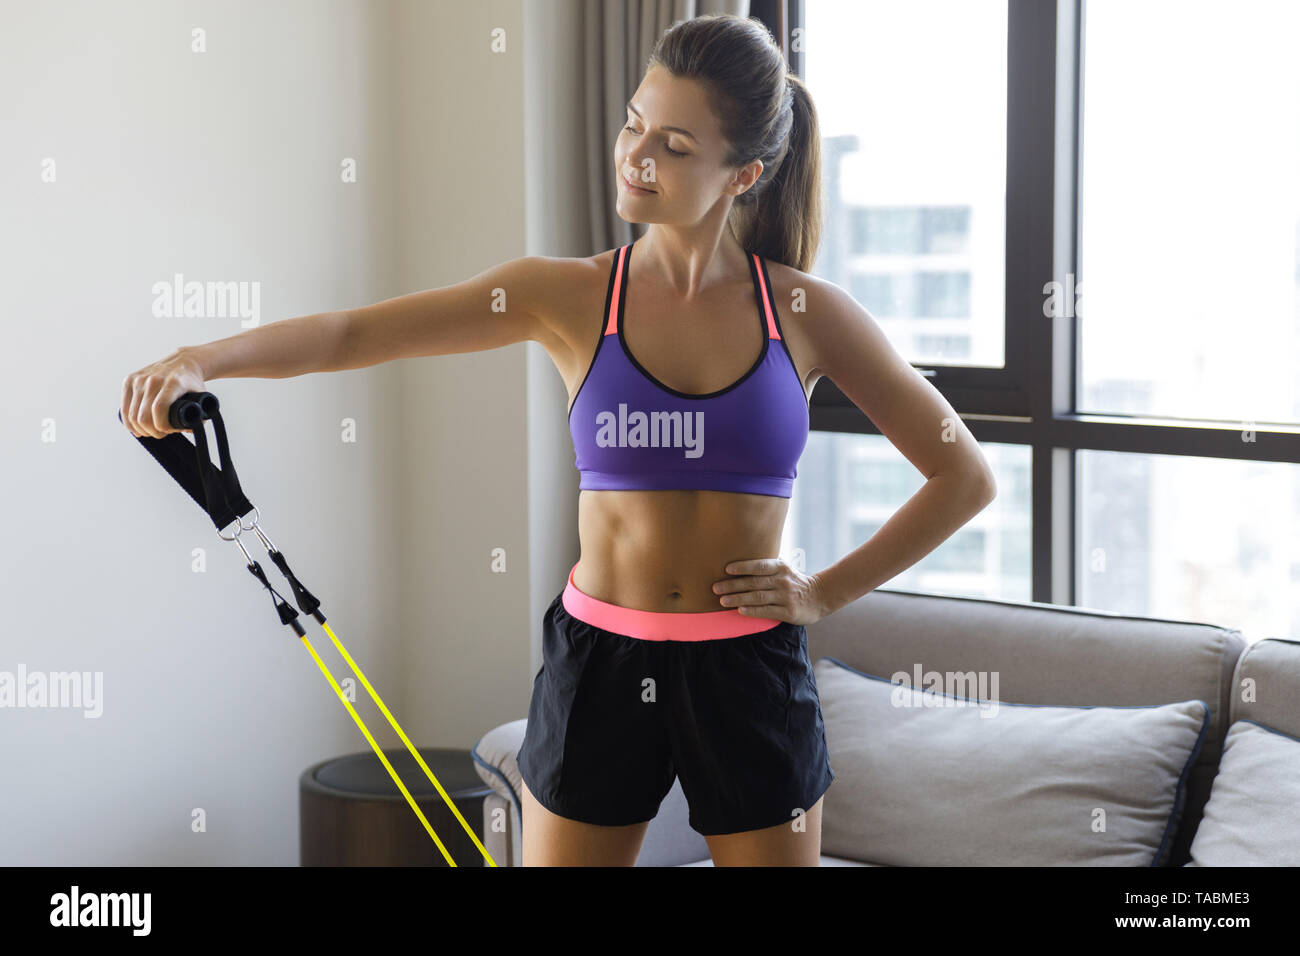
(671, 147)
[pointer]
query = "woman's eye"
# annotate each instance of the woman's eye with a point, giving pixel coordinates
(666, 146)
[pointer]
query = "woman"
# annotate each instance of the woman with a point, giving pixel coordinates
(678, 647)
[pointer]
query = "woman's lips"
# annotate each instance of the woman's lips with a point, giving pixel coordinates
(633, 187)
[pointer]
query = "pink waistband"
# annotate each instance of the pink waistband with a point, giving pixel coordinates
(660, 625)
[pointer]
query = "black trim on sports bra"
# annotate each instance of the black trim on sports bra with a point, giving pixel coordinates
(604, 324)
(762, 324)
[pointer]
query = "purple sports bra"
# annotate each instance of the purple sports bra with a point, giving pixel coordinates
(630, 431)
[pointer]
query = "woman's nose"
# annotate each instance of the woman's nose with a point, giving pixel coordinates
(639, 168)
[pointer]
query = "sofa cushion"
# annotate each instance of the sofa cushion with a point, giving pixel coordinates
(1253, 815)
(932, 779)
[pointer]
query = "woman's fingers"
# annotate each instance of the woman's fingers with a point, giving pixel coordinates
(763, 596)
(148, 394)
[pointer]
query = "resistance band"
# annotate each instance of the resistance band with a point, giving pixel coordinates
(217, 492)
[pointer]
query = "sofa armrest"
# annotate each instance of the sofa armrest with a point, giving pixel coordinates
(494, 759)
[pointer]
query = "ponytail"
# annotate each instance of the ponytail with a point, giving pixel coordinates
(784, 223)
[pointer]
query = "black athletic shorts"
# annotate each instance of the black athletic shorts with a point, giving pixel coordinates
(614, 719)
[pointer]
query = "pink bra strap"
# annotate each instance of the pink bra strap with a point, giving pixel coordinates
(767, 298)
(611, 321)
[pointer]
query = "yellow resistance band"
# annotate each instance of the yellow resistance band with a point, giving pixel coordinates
(406, 740)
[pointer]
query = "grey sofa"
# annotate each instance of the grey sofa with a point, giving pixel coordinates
(1045, 655)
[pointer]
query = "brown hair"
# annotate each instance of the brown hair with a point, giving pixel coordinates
(766, 113)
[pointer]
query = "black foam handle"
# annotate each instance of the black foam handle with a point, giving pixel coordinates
(191, 409)
(182, 412)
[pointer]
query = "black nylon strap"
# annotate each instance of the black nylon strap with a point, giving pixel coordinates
(176, 455)
(228, 479)
(215, 490)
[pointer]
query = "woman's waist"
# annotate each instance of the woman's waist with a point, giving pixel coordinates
(642, 619)
(660, 580)
(664, 550)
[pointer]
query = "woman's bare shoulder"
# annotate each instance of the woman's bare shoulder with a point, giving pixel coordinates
(566, 296)
(559, 289)
(800, 297)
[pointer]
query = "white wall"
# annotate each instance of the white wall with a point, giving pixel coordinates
(463, 418)
(225, 165)
(495, 468)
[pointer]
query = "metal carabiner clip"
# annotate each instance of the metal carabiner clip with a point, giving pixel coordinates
(257, 529)
(235, 538)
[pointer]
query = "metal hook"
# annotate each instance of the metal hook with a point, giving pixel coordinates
(256, 515)
(247, 557)
(235, 538)
(266, 542)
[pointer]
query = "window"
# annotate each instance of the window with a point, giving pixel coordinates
(915, 174)
(1152, 449)
(1197, 539)
(914, 294)
(1190, 205)
(850, 485)
(911, 230)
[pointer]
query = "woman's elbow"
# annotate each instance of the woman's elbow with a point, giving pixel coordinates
(984, 488)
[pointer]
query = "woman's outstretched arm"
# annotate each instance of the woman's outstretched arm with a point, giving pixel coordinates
(497, 307)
